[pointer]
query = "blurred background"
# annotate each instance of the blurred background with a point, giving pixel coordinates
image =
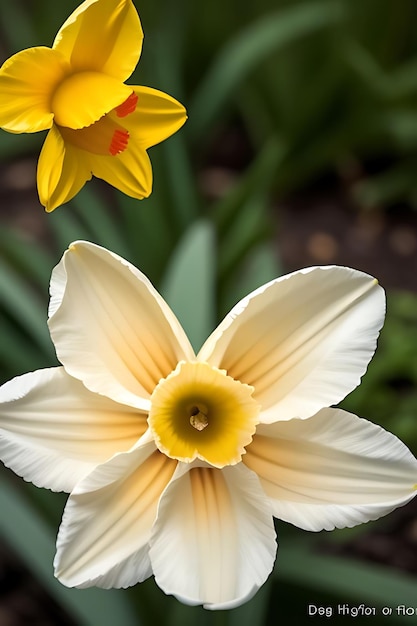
(300, 149)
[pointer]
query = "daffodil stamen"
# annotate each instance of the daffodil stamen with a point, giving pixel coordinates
(128, 106)
(198, 418)
(105, 137)
(119, 142)
(199, 412)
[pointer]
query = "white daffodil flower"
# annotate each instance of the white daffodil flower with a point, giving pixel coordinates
(176, 463)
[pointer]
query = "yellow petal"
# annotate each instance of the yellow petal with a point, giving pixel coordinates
(27, 81)
(157, 116)
(104, 36)
(83, 98)
(200, 412)
(130, 171)
(62, 171)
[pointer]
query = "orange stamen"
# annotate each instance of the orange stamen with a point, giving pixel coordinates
(104, 137)
(128, 106)
(119, 142)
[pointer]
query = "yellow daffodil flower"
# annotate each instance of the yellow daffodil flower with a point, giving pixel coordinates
(97, 124)
(176, 463)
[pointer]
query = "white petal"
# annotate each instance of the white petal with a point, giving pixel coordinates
(103, 538)
(214, 540)
(111, 328)
(53, 430)
(303, 341)
(332, 470)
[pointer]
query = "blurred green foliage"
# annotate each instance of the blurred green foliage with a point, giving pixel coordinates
(313, 86)
(388, 392)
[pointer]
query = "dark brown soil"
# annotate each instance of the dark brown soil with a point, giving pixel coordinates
(393, 542)
(320, 227)
(23, 602)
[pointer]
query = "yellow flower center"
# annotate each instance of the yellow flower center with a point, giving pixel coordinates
(200, 412)
(87, 107)
(82, 98)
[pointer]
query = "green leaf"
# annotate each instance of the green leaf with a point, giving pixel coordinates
(148, 231)
(258, 178)
(18, 354)
(400, 83)
(66, 227)
(95, 214)
(401, 126)
(248, 231)
(17, 28)
(243, 53)
(254, 611)
(27, 256)
(261, 266)
(180, 181)
(25, 307)
(12, 145)
(181, 615)
(188, 285)
(391, 185)
(366, 67)
(30, 537)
